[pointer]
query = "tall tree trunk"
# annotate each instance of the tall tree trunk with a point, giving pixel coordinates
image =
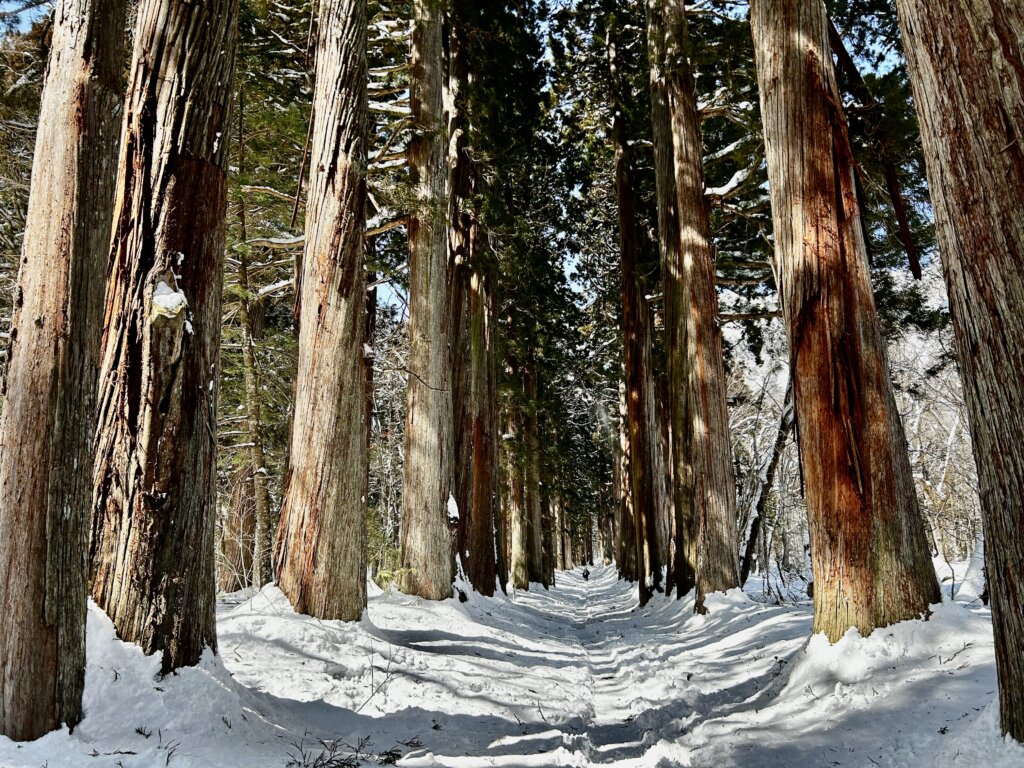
(501, 520)
(683, 567)
(261, 536)
(638, 374)
(427, 563)
(869, 552)
(473, 388)
(664, 479)
(480, 539)
(155, 495)
(559, 536)
(475, 428)
(462, 404)
(572, 530)
(588, 543)
(46, 428)
(967, 69)
(534, 516)
(369, 361)
(606, 521)
(515, 504)
(626, 542)
(657, 529)
(704, 439)
(321, 542)
(460, 256)
(547, 536)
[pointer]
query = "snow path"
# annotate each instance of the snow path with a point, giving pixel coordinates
(573, 676)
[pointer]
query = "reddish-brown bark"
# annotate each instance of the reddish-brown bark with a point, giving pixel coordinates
(869, 554)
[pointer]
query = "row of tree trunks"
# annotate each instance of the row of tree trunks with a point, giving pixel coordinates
(426, 550)
(564, 533)
(966, 64)
(321, 546)
(588, 543)
(154, 508)
(764, 482)
(237, 534)
(869, 553)
(261, 534)
(46, 428)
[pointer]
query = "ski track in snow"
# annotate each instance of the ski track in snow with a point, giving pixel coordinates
(574, 676)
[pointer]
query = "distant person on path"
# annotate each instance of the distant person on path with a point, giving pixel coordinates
(586, 574)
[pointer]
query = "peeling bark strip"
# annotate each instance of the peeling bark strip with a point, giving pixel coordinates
(321, 546)
(426, 552)
(262, 537)
(154, 505)
(869, 553)
(46, 428)
(966, 64)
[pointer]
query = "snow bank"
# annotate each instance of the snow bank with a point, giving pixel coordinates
(133, 717)
(575, 676)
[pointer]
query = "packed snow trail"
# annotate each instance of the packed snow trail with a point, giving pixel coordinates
(573, 676)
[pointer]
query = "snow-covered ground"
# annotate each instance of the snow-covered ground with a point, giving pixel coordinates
(575, 676)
